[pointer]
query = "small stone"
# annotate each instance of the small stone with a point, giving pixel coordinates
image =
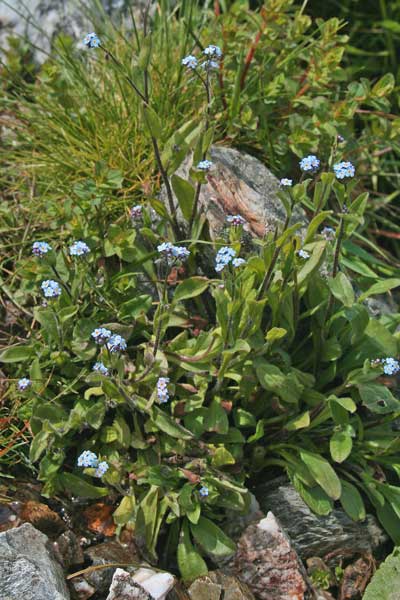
(68, 550)
(82, 589)
(267, 563)
(102, 554)
(28, 568)
(144, 584)
(204, 589)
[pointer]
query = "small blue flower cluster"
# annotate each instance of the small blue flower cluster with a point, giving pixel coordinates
(89, 459)
(100, 368)
(344, 170)
(204, 165)
(328, 233)
(101, 335)
(51, 289)
(238, 262)
(225, 255)
(171, 251)
(236, 220)
(136, 212)
(162, 389)
(391, 366)
(303, 254)
(23, 384)
(212, 54)
(79, 249)
(286, 182)
(91, 40)
(40, 248)
(190, 62)
(203, 491)
(309, 163)
(116, 343)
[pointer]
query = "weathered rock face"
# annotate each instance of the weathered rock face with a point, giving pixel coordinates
(102, 554)
(28, 569)
(239, 184)
(267, 563)
(219, 586)
(41, 20)
(313, 535)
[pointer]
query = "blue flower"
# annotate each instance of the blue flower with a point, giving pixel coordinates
(309, 163)
(91, 40)
(203, 491)
(87, 459)
(40, 248)
(102, 469)
(136, 212)
(209, 65)
(100, 368)
(171, 251)
(303, 254)
(51, 289)
(162, 389)
(79, 249)
(23, 384)
(116, 343)
(190, 61)
(236, 220)
(391, 366)
(238, 262)
(213, 51)
(344, 170)
(101, 335)
(328, 233)
(286, 182)
(204, 165)
(224, 257)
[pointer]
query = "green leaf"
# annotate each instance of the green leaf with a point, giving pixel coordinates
(169, 426)
(299, 422)
(212, 539)
(16, 354)
(190, 288)
(381, 287)
(190, 563)
(287, 387)
(385, 584)
(216, 418)
(39, 445)
(81, 487)
(184, 191)
(342, 289)
(274, 334)
(323, 473)
(243, 418)
(222, 457)
(153, 122)
(314, 497)
(340, 445)
(384, 86)
(352, 501)
(125, 511)
(378, 398)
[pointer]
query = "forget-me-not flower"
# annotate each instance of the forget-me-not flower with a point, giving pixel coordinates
(40, 248)
(190, 61)
(303, 254)
(213, 51)
(309, 163)
(116, 343)
(286, 182)
(91, 40)
(102, 469)
(136, 212)
(100, 368)
(162, 389)
(23, 384)
(238, 262)
(79, 249)
(203, 491)
(204, 165)
(344, 170)
(224, 256)
(236, 220)
(51, 289)
(391, 366)
(87, 459)
(101, 335)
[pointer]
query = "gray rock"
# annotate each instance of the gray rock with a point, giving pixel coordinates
(219, 586)
(314, 535)
(40, 20)
(266, 561)
(239, 184)
(28, 569)
(143, 584)
(68, 550)
(103, 554)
